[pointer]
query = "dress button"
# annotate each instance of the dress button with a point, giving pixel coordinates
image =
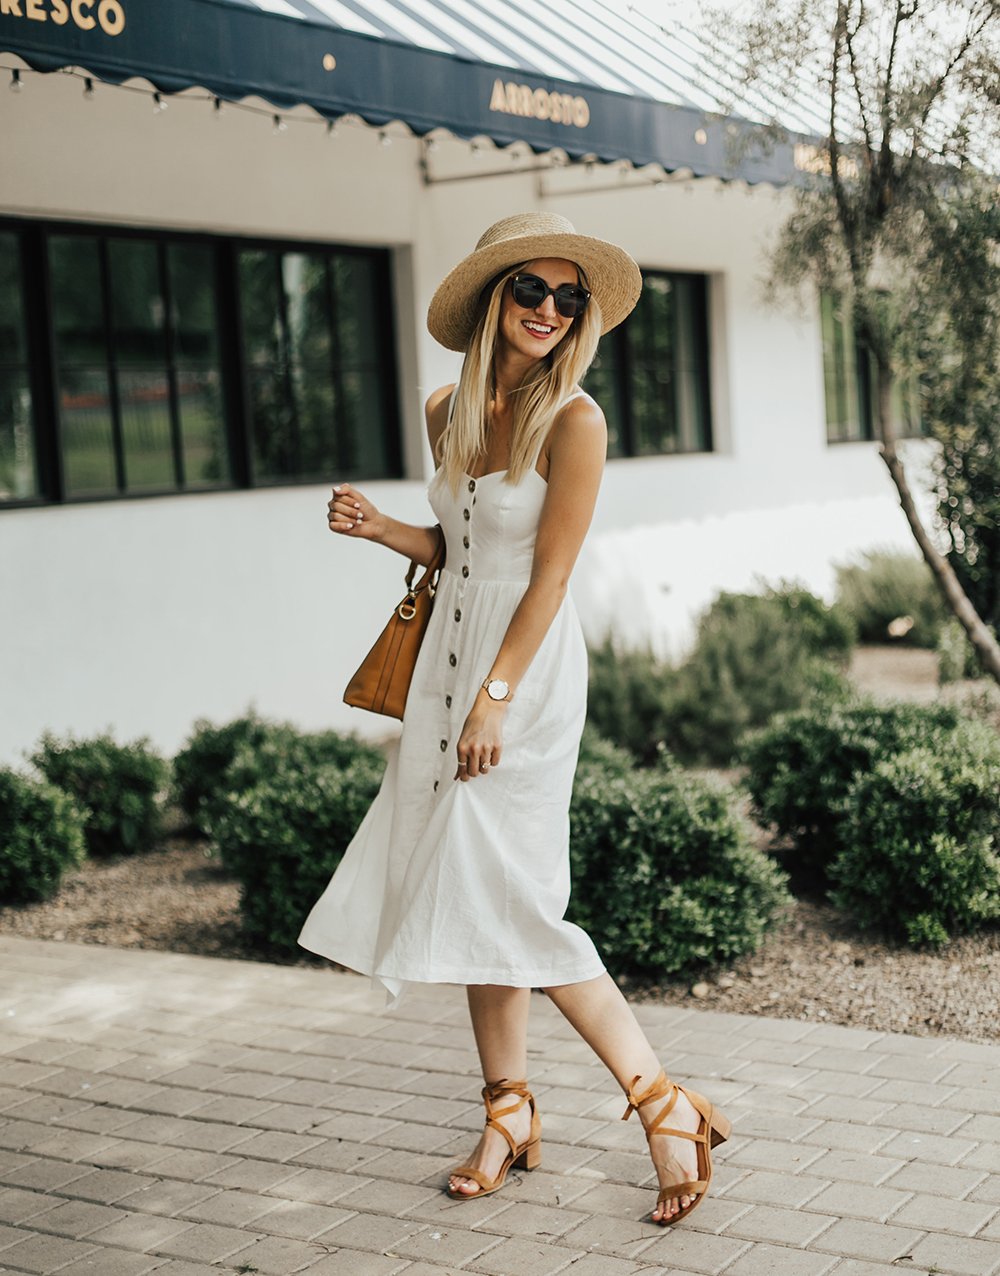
(458, 615)
(444, 745)
(472, 485)
(465, 541)
(466, 515)
(465, 571)
(447, 702)
(453, 660)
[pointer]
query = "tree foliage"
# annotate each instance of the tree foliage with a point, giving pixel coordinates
(897, 214)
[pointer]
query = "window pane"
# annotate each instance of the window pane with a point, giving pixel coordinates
(192, 299)
(314, 398)
(840, 372)
(261, 307)
(602, 382)
(88, 446)
(274, 443)
(13, 344)
(77, 299)
(203, 433)
(693, 426)
(18, 468)
(304, 277)
(361, 449)
(652, 357)
(144, 398)
(353, 284)
(136, 301)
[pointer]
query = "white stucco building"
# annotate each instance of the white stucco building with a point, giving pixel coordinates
(209, 314)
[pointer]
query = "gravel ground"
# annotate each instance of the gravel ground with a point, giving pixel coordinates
(816, 966)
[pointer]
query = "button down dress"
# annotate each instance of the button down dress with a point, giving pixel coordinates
(451, 882)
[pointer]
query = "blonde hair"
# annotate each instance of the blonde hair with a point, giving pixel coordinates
(536, 403)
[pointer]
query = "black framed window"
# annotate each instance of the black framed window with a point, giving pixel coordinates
(175, 363)
(850, 383)
(19, 477)
(312, 333)
(651, 373)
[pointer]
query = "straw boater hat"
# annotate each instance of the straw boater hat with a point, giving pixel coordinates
(611, 274)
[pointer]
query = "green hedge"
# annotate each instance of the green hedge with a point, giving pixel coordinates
(921, 838)
(755, 655)
(41, 836)
(801, 767)
(665, 877)
(218, 761)
(120, 787)
(883, 587)
(284, 824)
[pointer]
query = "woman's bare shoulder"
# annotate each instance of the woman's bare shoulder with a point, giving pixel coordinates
(579, 421)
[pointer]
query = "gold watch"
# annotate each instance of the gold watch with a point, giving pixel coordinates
(497, 689)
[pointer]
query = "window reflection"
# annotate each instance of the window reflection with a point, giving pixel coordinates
(18, 457)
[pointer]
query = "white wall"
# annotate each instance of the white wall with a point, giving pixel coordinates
(144, 614)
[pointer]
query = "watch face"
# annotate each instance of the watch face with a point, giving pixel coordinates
(497, 689)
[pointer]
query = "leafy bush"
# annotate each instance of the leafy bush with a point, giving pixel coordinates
(755, 655)
(802, 766)
(957, 657)
(285, 823)
(884, 587)
(921, 838)
(664, 874)
(119, 786)
(41, 836)
(234, 757)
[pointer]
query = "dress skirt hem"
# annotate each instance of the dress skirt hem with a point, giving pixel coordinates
(396, 986)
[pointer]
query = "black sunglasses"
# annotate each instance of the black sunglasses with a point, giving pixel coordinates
(530, 292)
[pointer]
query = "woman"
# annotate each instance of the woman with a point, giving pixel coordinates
(460, 871)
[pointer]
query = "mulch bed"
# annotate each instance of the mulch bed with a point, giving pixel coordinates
(817, 966)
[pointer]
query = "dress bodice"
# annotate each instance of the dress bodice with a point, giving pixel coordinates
(489, 525)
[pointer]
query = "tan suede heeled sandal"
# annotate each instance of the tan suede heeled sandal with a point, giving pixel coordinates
(525, 1156)
(714, 1129)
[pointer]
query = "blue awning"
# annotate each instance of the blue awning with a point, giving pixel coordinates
(346, 57)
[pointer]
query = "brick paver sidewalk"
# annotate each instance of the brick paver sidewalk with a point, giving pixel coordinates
(194, 1117)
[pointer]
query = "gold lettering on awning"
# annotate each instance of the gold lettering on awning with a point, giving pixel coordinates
(110, 13)
(539, 104)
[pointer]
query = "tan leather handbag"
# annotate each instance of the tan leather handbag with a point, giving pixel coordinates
(383, 680)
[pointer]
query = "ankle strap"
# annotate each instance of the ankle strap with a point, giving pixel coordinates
(494, 1089)
(659, 1089)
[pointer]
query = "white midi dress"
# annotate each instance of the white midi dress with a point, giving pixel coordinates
(451, 882)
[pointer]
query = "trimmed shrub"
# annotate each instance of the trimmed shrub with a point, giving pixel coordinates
(921, 839)
(630, 699)
(755, 655)
(41, 836)
(883, 587)
(664, 874)
(802, 766)
(285, 824)
(119, 786)
(219, 761)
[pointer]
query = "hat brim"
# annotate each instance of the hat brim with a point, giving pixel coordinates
(612, 277)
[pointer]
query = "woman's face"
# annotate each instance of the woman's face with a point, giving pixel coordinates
(534, 332)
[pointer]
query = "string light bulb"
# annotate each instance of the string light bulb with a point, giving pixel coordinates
(217, 108)
(384, 140)
(16, 83)
(158, 104)
(88, 89)
(331, 128)
(279, 125)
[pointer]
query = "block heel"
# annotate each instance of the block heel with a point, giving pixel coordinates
(530, 1158)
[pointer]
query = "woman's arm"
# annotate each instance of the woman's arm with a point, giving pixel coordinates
(576, 463)
(353, 514)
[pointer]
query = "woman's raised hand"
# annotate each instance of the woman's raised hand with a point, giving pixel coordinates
(351, 512)
(481, 741)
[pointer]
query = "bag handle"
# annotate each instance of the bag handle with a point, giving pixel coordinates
(429, 581)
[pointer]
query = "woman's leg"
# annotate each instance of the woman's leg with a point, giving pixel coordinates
(500, 1022)
(604, 1019)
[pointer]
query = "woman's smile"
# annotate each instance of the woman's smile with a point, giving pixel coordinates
(538, 329)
